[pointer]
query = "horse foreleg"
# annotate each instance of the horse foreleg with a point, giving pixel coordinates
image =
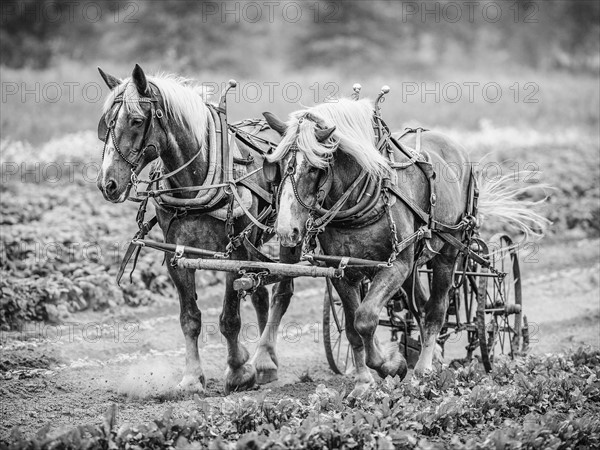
(265, 358)
(239, 374)
(385, 284)
(260, 301)
(190, 318)
(433, 315)
(350, 295)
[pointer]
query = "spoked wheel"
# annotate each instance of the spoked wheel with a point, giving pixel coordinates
(502, 305)
(337, 347)
(470, 292)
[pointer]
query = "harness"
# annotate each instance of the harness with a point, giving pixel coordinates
(214, 193)
(387, 190)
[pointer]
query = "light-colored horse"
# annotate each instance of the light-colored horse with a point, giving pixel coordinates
(337, 140)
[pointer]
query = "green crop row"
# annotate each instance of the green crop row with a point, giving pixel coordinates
(538, 402)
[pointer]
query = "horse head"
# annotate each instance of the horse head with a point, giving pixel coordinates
(324, 150)
(303, 182)
(130, 131)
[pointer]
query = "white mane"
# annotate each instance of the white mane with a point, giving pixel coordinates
(354, 134)
(184, 102)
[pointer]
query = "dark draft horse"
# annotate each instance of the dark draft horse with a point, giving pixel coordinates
(324, 150)
(135, 135)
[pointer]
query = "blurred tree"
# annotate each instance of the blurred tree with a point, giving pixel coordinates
(25, 32)
(362, 35)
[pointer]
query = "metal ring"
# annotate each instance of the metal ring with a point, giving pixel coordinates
(111, 124)
(159, 114)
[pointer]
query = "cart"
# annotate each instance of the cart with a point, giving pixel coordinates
(484, 312)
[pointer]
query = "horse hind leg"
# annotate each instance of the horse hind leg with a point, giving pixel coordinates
(191, 324)
(418, 305)
(433, 316)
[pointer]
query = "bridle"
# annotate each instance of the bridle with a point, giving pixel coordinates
(323, 188)
(319, 217)
(155, 113)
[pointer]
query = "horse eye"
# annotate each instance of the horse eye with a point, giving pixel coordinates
(137, 122)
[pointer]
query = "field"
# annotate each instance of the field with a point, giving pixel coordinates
(85, 362)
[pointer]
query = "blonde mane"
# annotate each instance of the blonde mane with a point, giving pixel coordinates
(184, 102)
(354, 134)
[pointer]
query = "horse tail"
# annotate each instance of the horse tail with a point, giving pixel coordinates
(505, 200)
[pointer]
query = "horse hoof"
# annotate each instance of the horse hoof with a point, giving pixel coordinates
(394, 365)
(192, 384)
(421, 370)
(359, 391)
(240, 379)
(265, 376)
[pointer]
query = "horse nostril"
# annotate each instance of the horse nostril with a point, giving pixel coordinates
(111, 186)
(295, 233)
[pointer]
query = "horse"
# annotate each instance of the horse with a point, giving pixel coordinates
(164, 118)
(327, 158)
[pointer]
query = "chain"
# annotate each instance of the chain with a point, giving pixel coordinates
(393, 230)
(257, 278)
(229, 226)
(310, 239)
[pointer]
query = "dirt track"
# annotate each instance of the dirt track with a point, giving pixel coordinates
(70, 374)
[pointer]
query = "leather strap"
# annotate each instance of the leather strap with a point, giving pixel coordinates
(254, 187)
(394, 189)
(253, 219)
(254, 252)
(142, 232)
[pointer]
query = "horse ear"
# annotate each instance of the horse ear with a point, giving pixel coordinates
(139, 79)
(275, 123)
(111, 82)
(323, 135)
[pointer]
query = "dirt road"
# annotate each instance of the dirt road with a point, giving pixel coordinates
(70, 373)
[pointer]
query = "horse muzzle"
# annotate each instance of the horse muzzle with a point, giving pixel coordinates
(111, 192)
(289, 238)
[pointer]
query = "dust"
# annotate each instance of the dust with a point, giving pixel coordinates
(151, 378)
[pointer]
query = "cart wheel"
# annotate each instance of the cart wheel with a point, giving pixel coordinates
(502, 306)
(337, 347)
(474, 291)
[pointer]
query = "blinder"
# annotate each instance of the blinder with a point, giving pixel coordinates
(102, 129)
(272, 171)
(110, 116)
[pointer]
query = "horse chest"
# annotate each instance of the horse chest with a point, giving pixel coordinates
(371, 242)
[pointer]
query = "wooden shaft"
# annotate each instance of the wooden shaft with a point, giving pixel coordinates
(288, 270)
(351, 261)
(171, 248)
